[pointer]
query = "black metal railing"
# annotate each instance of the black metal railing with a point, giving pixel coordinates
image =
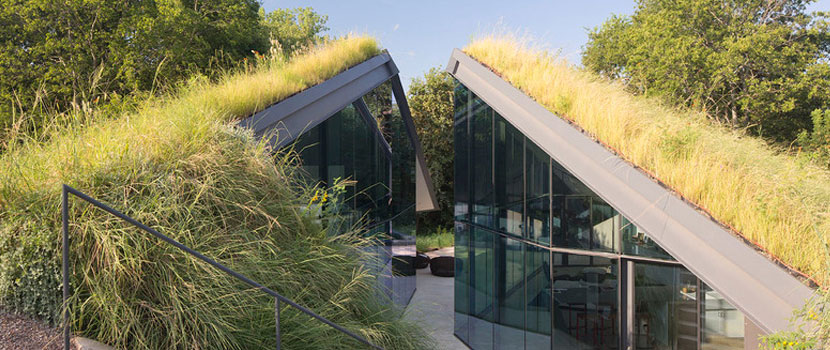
(278, 299)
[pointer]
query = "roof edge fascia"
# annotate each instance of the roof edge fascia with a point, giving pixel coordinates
(283, 121)
(762, 290)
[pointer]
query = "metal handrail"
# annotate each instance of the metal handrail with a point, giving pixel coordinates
(67, 190)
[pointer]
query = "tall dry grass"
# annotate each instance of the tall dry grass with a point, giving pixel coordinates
(177, 165)
(773, 199)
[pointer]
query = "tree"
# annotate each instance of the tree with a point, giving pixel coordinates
(78, 50)
(295, 28)
(431, 101)
(816, 143)
(66, 54)
(756, 64)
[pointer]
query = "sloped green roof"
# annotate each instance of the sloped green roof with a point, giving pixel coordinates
(776, 201)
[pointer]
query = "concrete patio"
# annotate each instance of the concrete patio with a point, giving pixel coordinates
(432, 306)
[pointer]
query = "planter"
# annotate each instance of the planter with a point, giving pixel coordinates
(442, 266)
(421, 261)
(402, 265)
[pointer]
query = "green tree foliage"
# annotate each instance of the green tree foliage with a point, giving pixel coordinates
(296, 28)
(64, 55)
(749, 63)
(816, 143)
(431, 101)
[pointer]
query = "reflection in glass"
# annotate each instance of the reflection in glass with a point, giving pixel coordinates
(403, 176)
(508, 171)
(636, 242)
(585, 302)
(665, 307)
(581, 219)
(538, 300)
(462, 155)
(537, 173)
(462, 281)
(722, 324)
(482, 262)
(510, 294)
(482, 164)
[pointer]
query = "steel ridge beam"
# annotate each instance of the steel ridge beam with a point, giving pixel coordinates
(283, 121)
(425, 199)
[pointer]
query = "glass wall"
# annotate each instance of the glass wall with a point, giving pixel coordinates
(481, 164)
(538, 297)
(508, 172)
(353, 146)
(665, 313)
(538, 256)
(585, 302)
(723, 325)
(462, 281)
(344, 147)
(537, 188)
(510, 294)
(482, 283)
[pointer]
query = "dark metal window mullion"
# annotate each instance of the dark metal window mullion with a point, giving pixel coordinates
(550, 244)
(700, 305)
(470, 234)
(526, 233)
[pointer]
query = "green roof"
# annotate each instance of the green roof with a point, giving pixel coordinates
(776, 201)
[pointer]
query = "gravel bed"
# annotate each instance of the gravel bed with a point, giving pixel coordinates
(19, 332)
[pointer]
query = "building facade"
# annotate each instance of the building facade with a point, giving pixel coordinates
(356, 127)
(547, 259)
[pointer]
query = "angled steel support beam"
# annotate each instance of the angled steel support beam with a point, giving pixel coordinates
(425, 199)
(763, 291)
(289, 118)
(372, 123)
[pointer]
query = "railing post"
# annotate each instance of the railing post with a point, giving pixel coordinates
(277, 319)
(65, 239)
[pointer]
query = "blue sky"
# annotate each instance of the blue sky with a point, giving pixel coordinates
(421, 34)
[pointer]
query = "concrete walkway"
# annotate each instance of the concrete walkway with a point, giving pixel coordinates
(432, 306)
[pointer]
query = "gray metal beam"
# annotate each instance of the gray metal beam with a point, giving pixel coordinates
(763, 291)
(372, 123)
(425, 199)
(287, 119)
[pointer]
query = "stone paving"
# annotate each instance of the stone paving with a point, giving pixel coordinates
(432, 306)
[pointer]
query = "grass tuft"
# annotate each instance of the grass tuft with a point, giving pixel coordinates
(440, 238)
(773, 199)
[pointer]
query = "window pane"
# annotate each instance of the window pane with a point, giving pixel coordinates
(482, 163)
(462, 281)
(538, 291)
(723, 324)
(581, 219)
(482, 262)
(508, 171)
(665, 315)
(403, 176)
(605, 224)
(309, 148)
(510, 294)
(637, 242)
(462, 155)
(585, 299)
(537, 174)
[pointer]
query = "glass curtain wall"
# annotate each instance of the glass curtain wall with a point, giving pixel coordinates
(538, 255)
(381, 196)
